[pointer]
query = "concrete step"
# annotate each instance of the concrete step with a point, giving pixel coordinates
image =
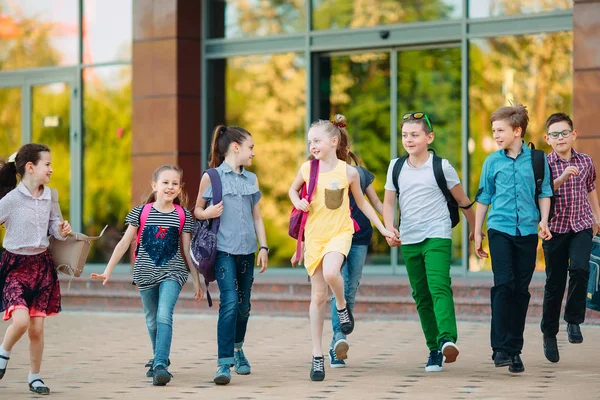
(385, 298)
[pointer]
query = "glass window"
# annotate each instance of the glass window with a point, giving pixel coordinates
(50, 125)
(107, 30)
(106, 155)
(38, 33)
(494, 8)
(429, 81)
(266, 95)
(535, 70)
(334, 14)
(358, 86)
(243, 18)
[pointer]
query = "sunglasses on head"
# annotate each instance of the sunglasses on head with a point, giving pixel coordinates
(418, 115)
(554, 135)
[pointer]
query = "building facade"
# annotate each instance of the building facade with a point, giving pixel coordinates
(117, 88)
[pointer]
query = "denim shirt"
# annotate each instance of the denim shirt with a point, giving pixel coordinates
(508, 185)
(236, 230)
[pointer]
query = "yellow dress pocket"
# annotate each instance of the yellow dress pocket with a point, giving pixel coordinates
(334, 198)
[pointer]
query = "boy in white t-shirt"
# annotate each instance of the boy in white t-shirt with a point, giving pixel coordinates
(425, 235)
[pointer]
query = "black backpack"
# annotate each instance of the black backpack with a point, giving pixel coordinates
(438, 173)
(538, 163)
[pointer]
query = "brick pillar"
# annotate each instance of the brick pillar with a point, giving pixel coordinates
(166, 92)
(586, 76)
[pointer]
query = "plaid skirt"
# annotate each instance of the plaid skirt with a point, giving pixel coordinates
(29, 282)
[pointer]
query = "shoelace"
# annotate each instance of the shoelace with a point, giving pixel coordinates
(242, 357)
(334, 356)
(344, 316)
(150, 363)
(318, 364)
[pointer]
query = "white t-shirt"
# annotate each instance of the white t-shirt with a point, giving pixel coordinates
(423, 206)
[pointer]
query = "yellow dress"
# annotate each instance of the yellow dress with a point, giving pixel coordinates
(329, 226)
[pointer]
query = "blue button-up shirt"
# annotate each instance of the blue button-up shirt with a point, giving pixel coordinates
(508, 184)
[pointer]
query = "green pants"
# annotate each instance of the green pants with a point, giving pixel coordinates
(428, 267)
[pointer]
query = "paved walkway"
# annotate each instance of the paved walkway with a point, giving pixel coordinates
(101, 356)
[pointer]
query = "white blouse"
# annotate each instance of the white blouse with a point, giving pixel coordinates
(29, 220)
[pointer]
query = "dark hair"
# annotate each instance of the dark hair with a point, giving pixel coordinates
(28, 153)
(223, 136)
(337, 127)
(181, 199)
(516, 116)
(558, 117)
(412, 120)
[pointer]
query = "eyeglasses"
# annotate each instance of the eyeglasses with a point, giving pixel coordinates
(418, 115)
(554, 135)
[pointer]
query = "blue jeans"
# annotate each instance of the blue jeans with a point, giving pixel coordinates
(159, 303)
(351, 272)
(235, 275)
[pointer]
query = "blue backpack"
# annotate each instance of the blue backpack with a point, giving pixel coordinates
(593, 294)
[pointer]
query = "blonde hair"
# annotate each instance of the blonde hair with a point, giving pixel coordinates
(337, 127)
(181, 199)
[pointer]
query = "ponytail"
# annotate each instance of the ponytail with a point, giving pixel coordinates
(222, 138)
(28, 153)
(337, 127)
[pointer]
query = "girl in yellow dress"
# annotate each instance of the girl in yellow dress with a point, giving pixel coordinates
(329, 227)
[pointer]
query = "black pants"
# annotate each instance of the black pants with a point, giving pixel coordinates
(513, 263)
(566, 253)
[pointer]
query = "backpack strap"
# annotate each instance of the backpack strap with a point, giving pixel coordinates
(440, 178)
(537, 163)
(217, 189)
(143, 218)
(312, 184)
(181, 214)
(396, 172)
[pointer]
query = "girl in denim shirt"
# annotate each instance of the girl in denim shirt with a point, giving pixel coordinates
(241, 223)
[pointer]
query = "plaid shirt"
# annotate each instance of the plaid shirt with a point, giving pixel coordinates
(572, 210)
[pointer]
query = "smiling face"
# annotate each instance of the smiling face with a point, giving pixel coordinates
(321, 143)
(244, 151)
(167, 186)
(414, 138)
(561, 144)
(42, 170)
(504, 134)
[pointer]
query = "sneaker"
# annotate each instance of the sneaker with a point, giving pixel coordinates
(317, 369)
(223, 375)
(242, 366)
(150, 366)
(334, 362)
(346, 321)
(341, 349)
(574, 333)
(434, 363)
(161, 376)
(449, 350)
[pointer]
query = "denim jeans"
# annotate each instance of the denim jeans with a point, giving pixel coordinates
(235, 274)
(159, 303)
(351, 272)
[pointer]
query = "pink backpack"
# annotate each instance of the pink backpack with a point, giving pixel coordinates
(144, 217)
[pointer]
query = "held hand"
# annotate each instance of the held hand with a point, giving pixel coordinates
(544, 231)
(262, 260)
(568, 172)
(104, 277)
(214, 210)
(393, 241)
(302, 205)
(478, 237)
(64, 228)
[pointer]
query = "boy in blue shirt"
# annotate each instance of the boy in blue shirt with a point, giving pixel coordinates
(507, 184)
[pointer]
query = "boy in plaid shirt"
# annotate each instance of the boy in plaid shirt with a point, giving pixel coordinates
(573, 224)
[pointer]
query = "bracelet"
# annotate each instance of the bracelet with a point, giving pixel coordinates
(265, 247)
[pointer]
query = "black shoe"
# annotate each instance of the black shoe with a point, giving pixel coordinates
(346, 320)
(516, 364)
(551, 349)
(161, 376)
(574, 333)
(501, 359)
(3, 371)
(150, 366)
(317, 370)
(39, 389)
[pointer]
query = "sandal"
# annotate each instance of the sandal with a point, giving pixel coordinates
(39, 389)
(2, 371)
